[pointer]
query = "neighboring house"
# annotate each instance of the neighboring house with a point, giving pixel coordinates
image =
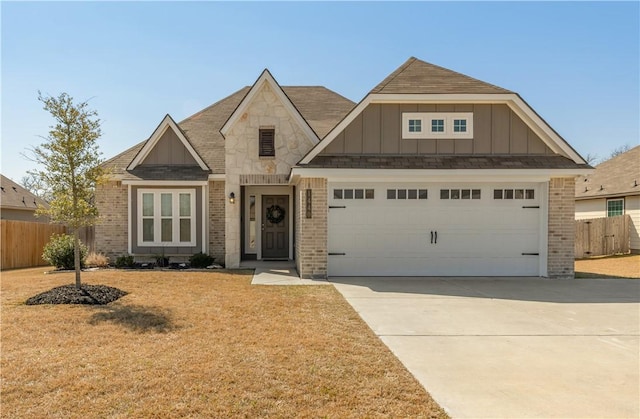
(432, 173)
(613, 189)
(17, 203)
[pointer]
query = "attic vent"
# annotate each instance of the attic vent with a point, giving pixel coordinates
(267, 142)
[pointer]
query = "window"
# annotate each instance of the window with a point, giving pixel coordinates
(615, 207)
(460, 194)
(415, 125)
(353, 194)
(406, 194)
(438, 125)
(166, 217)
(267, 142)
(514, 194)
(459, 125)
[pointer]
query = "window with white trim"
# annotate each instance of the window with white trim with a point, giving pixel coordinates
(166, 217)
(424, 125)
(615, 207)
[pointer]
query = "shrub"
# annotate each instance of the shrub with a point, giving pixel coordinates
(125, 261)
(96, 260)
(200, 260)
(59, 252)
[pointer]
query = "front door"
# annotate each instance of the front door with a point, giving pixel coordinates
(275, 227)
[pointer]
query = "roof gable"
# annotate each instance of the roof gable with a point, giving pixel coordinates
(617, 176)
(267, 79)
(166, 124)
(13, 195)
(417, 82)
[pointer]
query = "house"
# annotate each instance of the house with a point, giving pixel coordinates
(613, 189)
(17, 203)
(433, 173)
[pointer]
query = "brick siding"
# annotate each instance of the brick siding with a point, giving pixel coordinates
(111, 231)
(561, 235)
(216, 220)
(311, 233)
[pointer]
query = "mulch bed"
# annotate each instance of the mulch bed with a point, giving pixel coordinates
(69, 294)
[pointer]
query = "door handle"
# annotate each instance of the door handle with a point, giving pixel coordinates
(432, 237)
(436, 240)
(262, 226)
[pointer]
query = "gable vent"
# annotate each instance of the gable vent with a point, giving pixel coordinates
(267, 143)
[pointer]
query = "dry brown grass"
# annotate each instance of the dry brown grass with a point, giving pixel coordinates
(96, 260)
(196, 344)
(626, 266)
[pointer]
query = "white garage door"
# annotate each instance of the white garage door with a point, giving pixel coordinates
(434, 230)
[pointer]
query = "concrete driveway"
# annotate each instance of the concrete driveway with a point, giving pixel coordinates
(513, 347)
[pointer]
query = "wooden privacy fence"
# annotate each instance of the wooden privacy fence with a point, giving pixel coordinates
(22, 242)
(602, 236)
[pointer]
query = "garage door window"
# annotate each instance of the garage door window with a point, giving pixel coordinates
(407, 194)
(514, 194)
(460, 194)
(353, 194)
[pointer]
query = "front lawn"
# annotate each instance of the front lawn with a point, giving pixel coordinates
(196, 344)
(623, 266)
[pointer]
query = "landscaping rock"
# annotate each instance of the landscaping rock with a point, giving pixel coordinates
(69, 294)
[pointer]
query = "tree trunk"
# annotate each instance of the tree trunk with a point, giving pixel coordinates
(76, 256)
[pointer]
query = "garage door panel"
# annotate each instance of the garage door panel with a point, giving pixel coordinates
(393, 237)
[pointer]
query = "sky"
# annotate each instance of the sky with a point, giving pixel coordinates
(576, 63)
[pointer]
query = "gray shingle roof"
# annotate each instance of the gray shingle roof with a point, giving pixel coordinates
(419, 77)
(442, 162)
(319, 106)
(15, 196)
(614, 177)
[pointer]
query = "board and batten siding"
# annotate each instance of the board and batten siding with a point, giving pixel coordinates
(164, 250)
(378, 130)
(169, 150)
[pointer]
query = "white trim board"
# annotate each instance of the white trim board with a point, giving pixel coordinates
(166, 123)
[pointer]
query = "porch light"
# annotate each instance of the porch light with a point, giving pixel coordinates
(232, 198)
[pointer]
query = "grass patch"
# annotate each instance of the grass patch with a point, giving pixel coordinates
(196, 344)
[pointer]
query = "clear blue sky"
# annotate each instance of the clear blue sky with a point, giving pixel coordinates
(575, 63)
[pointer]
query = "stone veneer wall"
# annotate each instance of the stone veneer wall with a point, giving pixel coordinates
(216, 220)
(242, 158)
(111, 231)
(311, 233)
(560, 262)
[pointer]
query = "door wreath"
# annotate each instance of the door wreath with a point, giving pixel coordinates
(275, 214)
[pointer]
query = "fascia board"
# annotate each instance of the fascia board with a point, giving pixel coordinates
(608, 196)
(393, 175)
(267, 78)
(167, 123)
(164, 182)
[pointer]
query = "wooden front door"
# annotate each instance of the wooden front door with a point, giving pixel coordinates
(275, 227)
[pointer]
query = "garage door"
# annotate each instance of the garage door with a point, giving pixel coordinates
(434, 229)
